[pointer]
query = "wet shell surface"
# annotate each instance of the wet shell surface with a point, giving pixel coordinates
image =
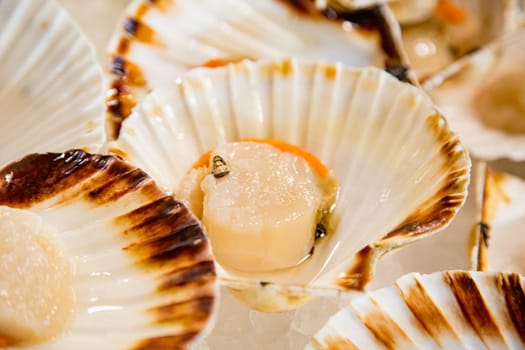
(158, 40)
(445, 310)
(499, 238)
(402, 173)
(484, 100)
(143, 274)
(52, 87)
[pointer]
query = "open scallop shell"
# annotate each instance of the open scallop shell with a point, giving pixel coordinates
(436, 33)
(158, 40)
(392, 152)
(445, 310)
(498, 239)
(466, 85)
(144, 277)
(52, 87)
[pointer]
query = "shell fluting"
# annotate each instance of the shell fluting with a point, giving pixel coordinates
(446, 310)
(115, 222)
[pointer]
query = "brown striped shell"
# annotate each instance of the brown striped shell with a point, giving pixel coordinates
(497, 238)
(445, 310)
(144, 274)
(159, 40)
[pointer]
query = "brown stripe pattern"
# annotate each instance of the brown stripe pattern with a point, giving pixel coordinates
(448, 310)
(430, 216)
(159, 235)
(128, 82)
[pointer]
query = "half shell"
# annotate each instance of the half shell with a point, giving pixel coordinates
(144, 277)
(158, 40)
(448, 310)
(392, 152)
(483, 98)
(52, 87)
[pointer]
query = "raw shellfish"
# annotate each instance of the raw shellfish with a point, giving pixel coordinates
(403, 173)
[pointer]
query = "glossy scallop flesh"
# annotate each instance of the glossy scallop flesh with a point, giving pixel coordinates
(143, 273)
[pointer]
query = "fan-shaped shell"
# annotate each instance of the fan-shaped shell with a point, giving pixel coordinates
(52, 87)
(158, 40)
(446, 310)
(403, 173)
(144, 276)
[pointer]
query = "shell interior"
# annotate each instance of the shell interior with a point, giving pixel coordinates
(483, 99)
(397, 162)
(52, 87)
(144, 276)
(445, 310)
(437, 33)
(159, 40)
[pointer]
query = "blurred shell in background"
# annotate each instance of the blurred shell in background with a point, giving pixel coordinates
(483, 98)
(445, 310)
(52, 87)
(438, 32)
(158, 40)
(499, 240)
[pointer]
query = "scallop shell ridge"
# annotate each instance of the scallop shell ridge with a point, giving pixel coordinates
(52, 86)
(445, 310)
(144, 276)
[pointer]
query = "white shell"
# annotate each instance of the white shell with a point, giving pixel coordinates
(499, 244)
(403, 174)
(445, 310)
(52, 92)
(158, 40)
(143, 273)
(457, 95)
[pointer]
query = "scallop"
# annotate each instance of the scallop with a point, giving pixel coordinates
(498, 241)
(262, 202)
(158, 40)
(130, 265)
(444, 310)
(483, 98)
(437, 33)
(402, 173)
(52, 86)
